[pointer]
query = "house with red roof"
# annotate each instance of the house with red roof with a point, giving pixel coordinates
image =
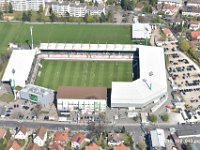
(55, 146)
(2, 133)
(77, 140)
(139, 6)
(194, 25)
(167, 32)
(169, 9)
(34, 147)
(194, 35)
(22, 133)
(93, 146)
(121, 147)
(40, 137)
(13, 145)
(60, 137)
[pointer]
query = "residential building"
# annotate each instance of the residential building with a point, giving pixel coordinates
(2, 133)
(139, 6)
(157, 138)
(40, 137)
(195, 3)
(121, 147)
(22, 133)
(13, 145)
(188, 133)
(77, 140)
(167, 32)
(93, 146)
(194, 25)
(60, 137)
(169, 9)
(96, 10)
(37, 94)
(115, 139)
(86, 99)
(177, 3)
(23, 5)
(194, 35)
(34, 147)
(191, 11)
(141, 31)
(56, 146)
(76, 9)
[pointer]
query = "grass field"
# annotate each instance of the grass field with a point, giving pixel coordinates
(19, 33)
(82, 73)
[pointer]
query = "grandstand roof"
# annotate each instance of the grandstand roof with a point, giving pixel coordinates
(141, 31)
(152, 81)
(21, 61)
(91, 47)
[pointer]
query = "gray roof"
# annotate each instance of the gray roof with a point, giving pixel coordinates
(193, 1)
(188, 132)
(99, 7)
(173, 1)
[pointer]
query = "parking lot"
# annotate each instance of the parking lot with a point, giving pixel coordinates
(185, 76)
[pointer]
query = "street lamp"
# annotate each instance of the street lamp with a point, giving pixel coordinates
(31, 30)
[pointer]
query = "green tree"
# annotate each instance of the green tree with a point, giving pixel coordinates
(153, 2)
(153, 118)
(183, 44)
(1, 15)
(147, 9)
(52, 17)
(165, 117)
(128, 140)
(192, 52)
(102, 18)
(10, 8)
(189, 146)
(5, 6)
(29, 15)
(109, 2)
(40, 13)
(96, 3)
(24, 16)
(127, 4)
(123, 130)
(109, 17)
(141, 145)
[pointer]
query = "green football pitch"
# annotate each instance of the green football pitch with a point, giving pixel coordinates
(63, 33)
(55, 73)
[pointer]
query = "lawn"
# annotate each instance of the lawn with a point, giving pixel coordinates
(55, 73)
(20, 33)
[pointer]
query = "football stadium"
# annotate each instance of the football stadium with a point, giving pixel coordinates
(135, 77)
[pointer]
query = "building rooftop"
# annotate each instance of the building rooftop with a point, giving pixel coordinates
(121, 147)
(38, 90)
(23, 129)
(21, 61)
(172, 1)
(193, 1)
(2, 132)
(34, 147)
(79, 138)
(41, 133)
(158, 138)
(72, 92)
(195, 34)
(93, 146)
(141, 31)
(14, 145)
(186, 132)
(166, 31)
(60, 136)
(151, 83)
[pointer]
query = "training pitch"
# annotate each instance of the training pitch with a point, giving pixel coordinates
(55, 73)
(63, 33)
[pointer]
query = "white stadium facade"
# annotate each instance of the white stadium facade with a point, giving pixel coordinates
(149, 85)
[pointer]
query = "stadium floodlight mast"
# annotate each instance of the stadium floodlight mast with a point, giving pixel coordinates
(31, 30)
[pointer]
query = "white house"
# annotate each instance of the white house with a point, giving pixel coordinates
(158, 138)
(23, 5)
(115, 139)
(195, 3)
(77, 140)
(41, 137)
(86, 99)
(22, 133)
(177, 3)
(191, 11)
(194, 25)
